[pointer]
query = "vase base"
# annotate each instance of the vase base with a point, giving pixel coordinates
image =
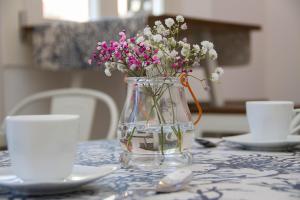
(155, 161)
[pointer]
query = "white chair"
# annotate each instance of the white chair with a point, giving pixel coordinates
(75, 101)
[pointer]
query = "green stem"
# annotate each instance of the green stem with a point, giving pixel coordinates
(179, 132)
(162, 140)
(173, 113)
(129, 138)
(155, 97)
(160, 119)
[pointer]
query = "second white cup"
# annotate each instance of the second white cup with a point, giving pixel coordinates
(42, 147)
(270, 120)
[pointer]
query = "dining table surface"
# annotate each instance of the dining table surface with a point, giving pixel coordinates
(223, 172)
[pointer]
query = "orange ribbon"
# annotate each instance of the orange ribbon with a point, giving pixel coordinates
(184, 81)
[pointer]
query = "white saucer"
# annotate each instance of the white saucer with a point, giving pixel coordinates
(247, 142)
(80, 176)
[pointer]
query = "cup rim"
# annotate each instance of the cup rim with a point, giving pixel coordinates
(40, 118)
(270, 102)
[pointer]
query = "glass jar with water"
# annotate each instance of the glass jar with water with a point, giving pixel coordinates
(155, 128)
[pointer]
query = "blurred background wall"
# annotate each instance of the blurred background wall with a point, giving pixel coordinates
(273, 72)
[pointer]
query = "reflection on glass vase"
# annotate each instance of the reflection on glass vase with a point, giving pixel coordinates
(155, 128)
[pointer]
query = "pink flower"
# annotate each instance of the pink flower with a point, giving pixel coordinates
(122, 36)
(104, 45)
(118, 55)
(132, 40)
(155, 57)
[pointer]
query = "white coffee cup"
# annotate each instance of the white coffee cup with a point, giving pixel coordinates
(271, 120)
(42, 147)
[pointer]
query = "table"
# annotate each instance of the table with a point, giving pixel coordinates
(219, 173)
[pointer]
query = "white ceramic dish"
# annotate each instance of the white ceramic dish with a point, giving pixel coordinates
(80, 176)
(246, 141)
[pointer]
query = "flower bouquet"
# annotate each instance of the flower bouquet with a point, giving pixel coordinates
(155, 127)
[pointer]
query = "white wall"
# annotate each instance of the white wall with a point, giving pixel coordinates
(109, 8)
(282, 41)
(235, 11)
(274, 68)
(190, 8)
(250, 77)
(13, 51)
(1, 73)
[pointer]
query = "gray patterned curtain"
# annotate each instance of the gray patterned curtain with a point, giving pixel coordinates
(68, 45)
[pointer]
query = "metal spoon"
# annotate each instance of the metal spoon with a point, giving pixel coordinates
(172, 182)
(175, 181)
(208, 143)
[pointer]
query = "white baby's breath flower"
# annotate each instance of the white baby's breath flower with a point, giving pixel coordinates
(157, 38)
(157, 23)
(169, 22)
(107, 65)
(172, 41)
(160, 29)
(166, 32)
(140, 39)
(107, 72)
(212, 54)
(183, 26)
(214, 77)
(203, 50)
(196, 48)
(165, 40)
(147, 31)
(179, 18)
(219, 70)
(185, 52)
(132, 67)
(180, 43)
(173, 53)
(186, 46)
(160, 54)
(207, 44)
(113, 65)
(149, 67)
(196, 64)
(121, 67)
(147, 44)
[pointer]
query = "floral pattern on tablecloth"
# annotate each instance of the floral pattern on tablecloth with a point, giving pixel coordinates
(219, 173)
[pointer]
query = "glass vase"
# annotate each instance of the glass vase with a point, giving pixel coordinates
(155, 128)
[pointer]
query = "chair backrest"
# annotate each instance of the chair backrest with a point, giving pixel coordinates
(73, 104)
(76, 101)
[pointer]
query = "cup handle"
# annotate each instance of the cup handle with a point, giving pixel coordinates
(295, 124)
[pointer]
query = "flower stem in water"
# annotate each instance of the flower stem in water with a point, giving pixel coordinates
(162, 140)
(129, 138)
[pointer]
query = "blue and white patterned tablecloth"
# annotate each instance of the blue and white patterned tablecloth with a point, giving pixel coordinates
(219, 173)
